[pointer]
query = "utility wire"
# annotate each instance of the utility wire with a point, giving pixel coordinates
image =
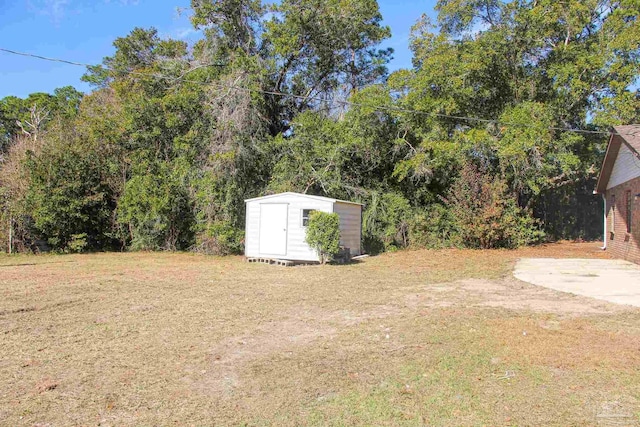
(82, 64)
(316, 98)
(426, 113)
(44, 58)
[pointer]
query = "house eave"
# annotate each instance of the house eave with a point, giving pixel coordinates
(613, 147)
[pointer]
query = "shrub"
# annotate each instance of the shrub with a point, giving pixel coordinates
(486, 215)
(434, 228)
(67, 199)
(155, 210)
(14, 185)
(220, 238)
(386, 222)
(78, 243)
(323, 234)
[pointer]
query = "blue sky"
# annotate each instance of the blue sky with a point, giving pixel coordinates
(83, 31)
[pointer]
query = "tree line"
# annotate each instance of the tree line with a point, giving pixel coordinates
(468, 147)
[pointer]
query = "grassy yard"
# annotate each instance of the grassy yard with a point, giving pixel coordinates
(436, 338)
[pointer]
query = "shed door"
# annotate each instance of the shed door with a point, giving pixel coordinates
(273, 228)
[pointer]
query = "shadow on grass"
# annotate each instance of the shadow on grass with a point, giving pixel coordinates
(345, 264)
(26, 264)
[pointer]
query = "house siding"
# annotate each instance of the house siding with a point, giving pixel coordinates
(625, 168)
(620, 243)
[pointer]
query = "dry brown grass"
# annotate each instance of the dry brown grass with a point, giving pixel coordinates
(409, 338)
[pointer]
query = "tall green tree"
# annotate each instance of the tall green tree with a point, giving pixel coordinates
(526, 69)
(68, 199)
(34, 113)
(294, 95)
(229, 24)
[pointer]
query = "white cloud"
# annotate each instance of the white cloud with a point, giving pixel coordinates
(184, 33)
(57, 10)
(124, 2)
(57, 7)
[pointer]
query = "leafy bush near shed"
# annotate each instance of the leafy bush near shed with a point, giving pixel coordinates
(220, 238)
(386, 222)
(434, 228)
(323, 234)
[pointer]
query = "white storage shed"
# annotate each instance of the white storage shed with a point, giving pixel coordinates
(276, 225)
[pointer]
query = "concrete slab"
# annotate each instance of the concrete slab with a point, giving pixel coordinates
(615, 281)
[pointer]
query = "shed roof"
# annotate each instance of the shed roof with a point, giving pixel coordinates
(628, 135)
(290, 193)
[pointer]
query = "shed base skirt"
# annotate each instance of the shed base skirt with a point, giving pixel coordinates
(281, 262)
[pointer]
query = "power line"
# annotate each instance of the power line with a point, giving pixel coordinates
(379, 108)
(82, 64)
(44, 58)
(406, 110)
(427, 113)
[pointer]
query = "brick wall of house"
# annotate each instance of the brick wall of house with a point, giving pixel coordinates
(620, 243)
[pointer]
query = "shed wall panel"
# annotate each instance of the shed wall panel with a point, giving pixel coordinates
(297, 248)
(350, 226)
(252, 230)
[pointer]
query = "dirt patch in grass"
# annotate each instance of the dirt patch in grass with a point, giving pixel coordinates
(411, 338)
(563, 343)
(232, 353)
(449, 366)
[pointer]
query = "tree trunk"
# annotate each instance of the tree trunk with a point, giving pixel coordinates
(10, 234)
